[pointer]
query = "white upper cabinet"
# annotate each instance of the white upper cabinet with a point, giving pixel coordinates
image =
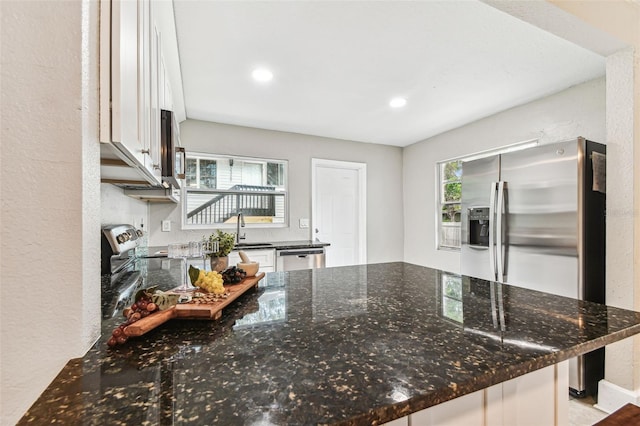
(166, 97)
(130, 86)
(154, 88)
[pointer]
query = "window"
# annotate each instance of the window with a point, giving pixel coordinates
(450, 203)
(275, 174)
(201, 173)
(219, 187)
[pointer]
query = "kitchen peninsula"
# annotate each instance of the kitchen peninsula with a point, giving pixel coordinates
(351, 345)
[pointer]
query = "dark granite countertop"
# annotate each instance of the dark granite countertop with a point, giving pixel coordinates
(350, 345)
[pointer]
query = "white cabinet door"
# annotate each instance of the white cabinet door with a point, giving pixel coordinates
(402, 421)
(125, 89)
(129, 111)
(153, 113)
(465, 410)
(266, 258)
(537, 398)
(166, 97)
(529, 400)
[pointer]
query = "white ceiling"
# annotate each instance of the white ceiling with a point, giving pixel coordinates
(337, 64)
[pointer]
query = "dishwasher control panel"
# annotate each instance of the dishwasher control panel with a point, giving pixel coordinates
(302, 258)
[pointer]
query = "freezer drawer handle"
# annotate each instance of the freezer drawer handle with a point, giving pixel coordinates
(299, 253)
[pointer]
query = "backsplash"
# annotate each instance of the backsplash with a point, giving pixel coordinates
(118, 208)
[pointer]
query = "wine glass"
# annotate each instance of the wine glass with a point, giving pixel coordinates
(184, 251)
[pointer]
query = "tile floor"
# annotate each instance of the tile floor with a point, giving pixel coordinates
(582, 412)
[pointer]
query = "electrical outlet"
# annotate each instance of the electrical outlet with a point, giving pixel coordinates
(166, 226)
(165, 264)
(304, 223)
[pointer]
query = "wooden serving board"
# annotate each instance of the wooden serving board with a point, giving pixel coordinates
(192, 310)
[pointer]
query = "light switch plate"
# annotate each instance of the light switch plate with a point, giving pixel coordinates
(166, 226)
(304, 223)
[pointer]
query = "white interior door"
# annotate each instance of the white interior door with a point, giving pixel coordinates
(339, 210)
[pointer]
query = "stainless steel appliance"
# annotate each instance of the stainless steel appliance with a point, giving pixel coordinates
(172, 165)
(303, 258)
(172, 156)
(118, 242)
(120, 279)
(536, 219)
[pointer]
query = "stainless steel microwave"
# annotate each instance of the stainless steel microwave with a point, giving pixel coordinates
(172, 156)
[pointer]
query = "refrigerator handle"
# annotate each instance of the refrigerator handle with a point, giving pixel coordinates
(492, 231)
(499, 242)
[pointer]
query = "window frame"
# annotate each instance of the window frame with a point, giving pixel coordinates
(441, 203)
(280, 190)
(198, 158)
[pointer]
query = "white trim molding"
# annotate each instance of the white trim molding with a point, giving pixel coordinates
(612, 397)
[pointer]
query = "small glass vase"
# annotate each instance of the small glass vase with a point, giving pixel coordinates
(219, 264)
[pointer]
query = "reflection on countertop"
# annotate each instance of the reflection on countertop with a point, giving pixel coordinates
(327, 346)
(161, 251)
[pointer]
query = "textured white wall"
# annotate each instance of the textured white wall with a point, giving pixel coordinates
(50, 195)
(578, 111)
(620, 291)
(384, 182)
(620, 19)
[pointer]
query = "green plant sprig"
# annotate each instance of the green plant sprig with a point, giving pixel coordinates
(226, 242)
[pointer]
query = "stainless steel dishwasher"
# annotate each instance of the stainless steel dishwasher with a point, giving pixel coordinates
(303, 258)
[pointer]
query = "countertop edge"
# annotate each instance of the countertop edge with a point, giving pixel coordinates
(398, 410)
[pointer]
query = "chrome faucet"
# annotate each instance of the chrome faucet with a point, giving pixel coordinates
(239, 223)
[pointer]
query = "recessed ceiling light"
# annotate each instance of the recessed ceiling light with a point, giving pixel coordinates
(397, 102)
(262, 75)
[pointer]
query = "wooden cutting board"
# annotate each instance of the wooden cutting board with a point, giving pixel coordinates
(193, 310)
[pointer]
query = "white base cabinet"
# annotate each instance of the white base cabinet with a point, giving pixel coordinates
(265, 257)
(538, 398)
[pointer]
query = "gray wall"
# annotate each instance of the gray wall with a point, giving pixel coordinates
(578, 111)
(384, 183)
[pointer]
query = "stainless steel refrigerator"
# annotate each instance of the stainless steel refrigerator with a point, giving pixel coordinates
(535, 218)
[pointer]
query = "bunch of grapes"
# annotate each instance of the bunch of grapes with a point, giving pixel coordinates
(140, 309)
(233, 275)
(210, 281)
